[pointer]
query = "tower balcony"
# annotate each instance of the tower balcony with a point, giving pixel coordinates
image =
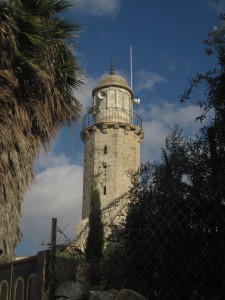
(112, 114)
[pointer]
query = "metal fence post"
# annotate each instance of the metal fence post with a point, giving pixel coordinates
(51, 275)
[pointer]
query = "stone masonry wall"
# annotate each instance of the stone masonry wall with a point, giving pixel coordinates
(111, 150)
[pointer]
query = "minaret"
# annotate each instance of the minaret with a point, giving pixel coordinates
(112, 133)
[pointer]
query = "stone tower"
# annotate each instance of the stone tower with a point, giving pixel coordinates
(112, 133)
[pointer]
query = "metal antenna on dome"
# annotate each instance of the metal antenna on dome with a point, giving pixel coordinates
(112, 70)
(131, 69)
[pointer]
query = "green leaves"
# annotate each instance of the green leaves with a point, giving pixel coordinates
(94, 245)
(95, 239)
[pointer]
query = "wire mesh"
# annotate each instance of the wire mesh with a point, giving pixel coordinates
(169, 248)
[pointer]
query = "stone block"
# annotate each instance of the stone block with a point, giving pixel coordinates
(127, 294)
(103, 295)
(72, 291)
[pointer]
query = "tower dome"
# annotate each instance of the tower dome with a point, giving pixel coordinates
(112, 80)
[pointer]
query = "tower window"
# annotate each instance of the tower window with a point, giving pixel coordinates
(116, 100)
(105, 150)
(104, 190)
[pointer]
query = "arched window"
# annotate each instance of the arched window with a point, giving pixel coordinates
(19, 289)
(32, 287)
(4, 290)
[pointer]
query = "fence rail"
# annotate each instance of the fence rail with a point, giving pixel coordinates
(112, 114)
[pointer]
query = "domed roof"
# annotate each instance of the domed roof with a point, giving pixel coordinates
(112, 80)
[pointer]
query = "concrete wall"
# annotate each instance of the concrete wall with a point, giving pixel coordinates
(29, 279)
(23, 279)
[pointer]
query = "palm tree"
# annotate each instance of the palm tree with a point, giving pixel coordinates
(38, 74)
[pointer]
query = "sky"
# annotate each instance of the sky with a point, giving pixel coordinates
(167, 49)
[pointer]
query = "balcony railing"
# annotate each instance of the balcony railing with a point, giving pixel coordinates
(112, 114)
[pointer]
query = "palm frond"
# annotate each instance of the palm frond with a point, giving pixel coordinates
(38, 74)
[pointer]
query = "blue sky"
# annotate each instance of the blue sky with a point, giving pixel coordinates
(167, 46)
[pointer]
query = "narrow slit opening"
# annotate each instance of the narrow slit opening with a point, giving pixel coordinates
(105, 150)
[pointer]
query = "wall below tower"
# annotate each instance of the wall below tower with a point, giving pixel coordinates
(111, 150)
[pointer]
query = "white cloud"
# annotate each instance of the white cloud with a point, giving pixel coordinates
(99, 8)
(155, 134)
(57, 192)
(147, 80)
(159, 119)
(48, 159)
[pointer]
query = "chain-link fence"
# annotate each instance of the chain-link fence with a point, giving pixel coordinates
(169, 246)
